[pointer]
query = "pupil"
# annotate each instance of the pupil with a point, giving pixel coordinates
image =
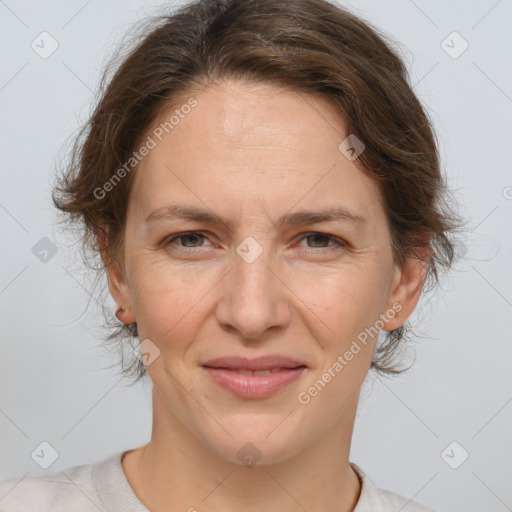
(192, 236)
(316, 237)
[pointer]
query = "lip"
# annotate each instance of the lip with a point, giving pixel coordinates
(224, 371)
(255, 363)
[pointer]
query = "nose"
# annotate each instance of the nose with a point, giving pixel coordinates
(255, 297)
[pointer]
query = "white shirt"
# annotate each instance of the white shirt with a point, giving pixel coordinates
(103, 487)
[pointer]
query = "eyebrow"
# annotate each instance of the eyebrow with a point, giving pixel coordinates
(182, 211)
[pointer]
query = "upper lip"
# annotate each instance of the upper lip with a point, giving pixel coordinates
(255, 364)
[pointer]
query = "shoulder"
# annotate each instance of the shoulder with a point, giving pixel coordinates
(373, 499)
(71, 489)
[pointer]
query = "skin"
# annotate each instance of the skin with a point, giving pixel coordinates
(252, 153)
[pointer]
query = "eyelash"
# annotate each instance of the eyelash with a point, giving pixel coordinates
(339, 243)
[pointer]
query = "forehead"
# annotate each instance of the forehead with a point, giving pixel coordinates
(244, 142)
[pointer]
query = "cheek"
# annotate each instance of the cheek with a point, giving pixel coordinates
(348, 307)
(344, 302)
(167, 301)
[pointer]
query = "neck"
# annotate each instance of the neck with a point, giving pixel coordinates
(176, 472)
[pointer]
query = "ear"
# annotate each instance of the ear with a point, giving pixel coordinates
(406, 289)
(118, 284)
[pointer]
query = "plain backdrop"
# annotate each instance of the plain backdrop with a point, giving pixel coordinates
(410, 431)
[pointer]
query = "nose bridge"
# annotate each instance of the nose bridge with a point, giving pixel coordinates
(252, 277)
(253, 298)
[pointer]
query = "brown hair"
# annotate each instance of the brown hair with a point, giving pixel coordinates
(309, 46)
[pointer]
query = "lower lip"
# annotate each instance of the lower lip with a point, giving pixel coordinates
(254, 386)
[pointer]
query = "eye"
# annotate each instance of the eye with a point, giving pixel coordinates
(193, 236)
(317, 238)
(193, 240)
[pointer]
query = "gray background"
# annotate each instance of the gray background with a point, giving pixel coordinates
(53, 385)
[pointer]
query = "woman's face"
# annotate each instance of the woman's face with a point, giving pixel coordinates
(258, 282)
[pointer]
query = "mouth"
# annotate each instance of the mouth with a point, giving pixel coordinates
(254, 378)
(268, 371)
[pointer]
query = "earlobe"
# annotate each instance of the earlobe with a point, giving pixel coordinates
(118, 287)
(120, 292)
(407, 286)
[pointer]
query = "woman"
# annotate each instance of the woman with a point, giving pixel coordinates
(263, 188)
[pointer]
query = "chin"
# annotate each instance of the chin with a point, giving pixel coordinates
(256, 440)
